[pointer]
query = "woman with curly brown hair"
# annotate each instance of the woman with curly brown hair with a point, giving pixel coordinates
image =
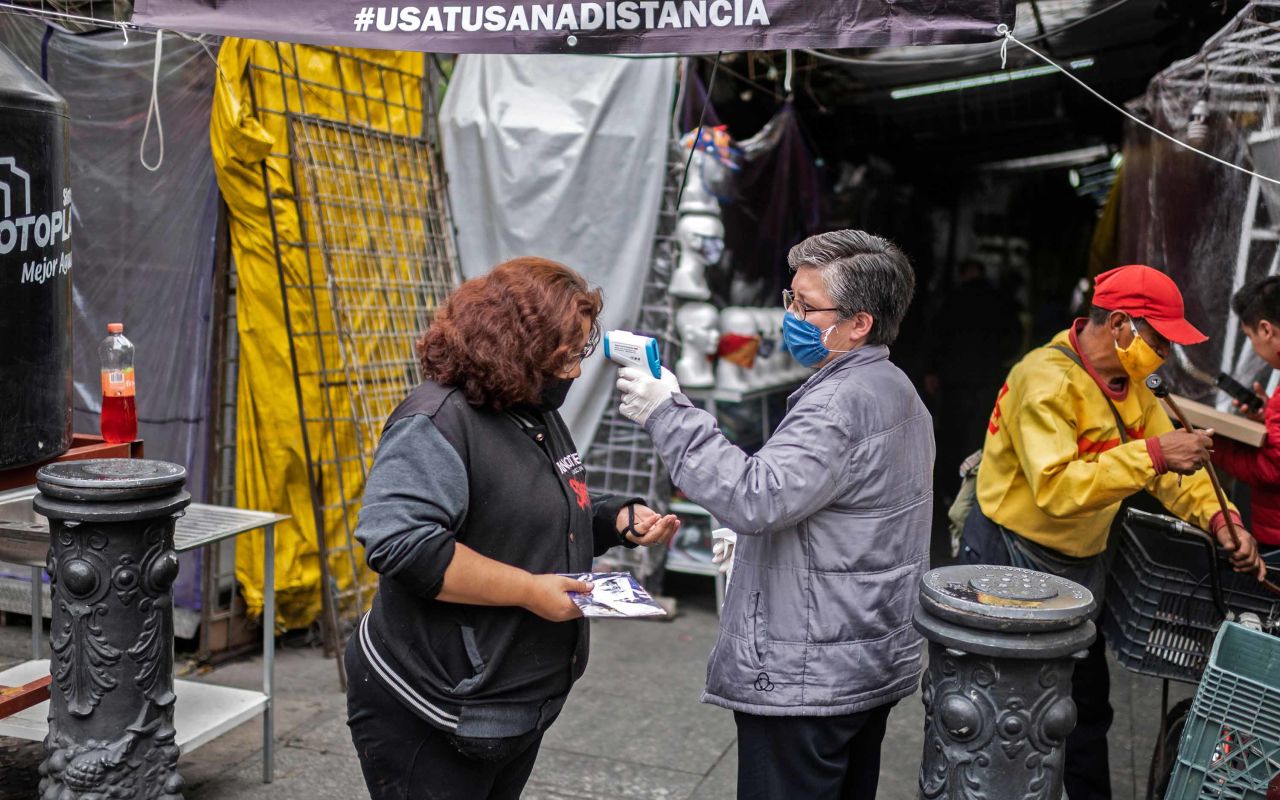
(476, 503)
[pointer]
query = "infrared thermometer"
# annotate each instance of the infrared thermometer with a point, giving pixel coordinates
(629, 349)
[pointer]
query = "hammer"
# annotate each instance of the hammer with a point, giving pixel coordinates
(1157, 386)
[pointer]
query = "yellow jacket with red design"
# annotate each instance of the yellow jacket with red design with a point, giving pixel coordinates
(1054, 469)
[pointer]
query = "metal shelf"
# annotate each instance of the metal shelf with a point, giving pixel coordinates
(203, 711)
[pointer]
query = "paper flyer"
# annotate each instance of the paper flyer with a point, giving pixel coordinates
(615, 594)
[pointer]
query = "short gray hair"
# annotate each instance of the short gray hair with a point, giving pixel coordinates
(862, 273)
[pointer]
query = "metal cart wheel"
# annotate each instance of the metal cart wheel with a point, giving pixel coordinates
(1165, 754)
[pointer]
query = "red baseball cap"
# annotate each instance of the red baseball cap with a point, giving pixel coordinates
(1149, 294)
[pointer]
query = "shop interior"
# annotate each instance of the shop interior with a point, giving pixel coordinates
(1000, 185)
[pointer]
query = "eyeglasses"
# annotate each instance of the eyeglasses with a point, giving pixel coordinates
(789, 302)
(592, 344)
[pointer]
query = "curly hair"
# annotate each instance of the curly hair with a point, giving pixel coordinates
(501, 337)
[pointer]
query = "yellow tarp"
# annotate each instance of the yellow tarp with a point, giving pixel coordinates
(249, 131)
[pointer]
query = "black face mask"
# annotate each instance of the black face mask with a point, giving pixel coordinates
(554, 393)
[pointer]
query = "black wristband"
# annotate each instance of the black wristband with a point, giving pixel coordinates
(630, 528)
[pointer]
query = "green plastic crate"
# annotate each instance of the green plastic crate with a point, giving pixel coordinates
(1230, 747)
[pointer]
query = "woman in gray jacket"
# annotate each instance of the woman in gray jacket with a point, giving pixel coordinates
(833, 517)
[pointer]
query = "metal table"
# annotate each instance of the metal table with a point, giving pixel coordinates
(203, 711)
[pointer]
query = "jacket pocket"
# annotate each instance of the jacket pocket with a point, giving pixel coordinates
(758, 627)
(468, 685)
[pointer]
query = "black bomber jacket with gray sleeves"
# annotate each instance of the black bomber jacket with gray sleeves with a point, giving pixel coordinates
(511, 486)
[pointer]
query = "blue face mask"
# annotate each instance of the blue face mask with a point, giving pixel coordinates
(804, 340)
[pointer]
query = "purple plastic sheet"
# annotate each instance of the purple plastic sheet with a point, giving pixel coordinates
(570, 26)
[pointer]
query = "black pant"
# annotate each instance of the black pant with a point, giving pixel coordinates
(1087, 771)
(817, 758)
(405, 758)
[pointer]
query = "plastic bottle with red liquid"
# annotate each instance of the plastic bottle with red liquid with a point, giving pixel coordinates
(119, 420)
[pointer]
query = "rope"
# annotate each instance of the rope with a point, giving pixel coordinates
(1004, 31)
(153, 110)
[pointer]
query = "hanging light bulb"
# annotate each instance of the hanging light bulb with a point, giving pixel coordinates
(1198, 125)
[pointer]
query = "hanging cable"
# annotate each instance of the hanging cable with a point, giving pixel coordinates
(1004, 31)
(153, 110)
(697, 137)
(791, 66)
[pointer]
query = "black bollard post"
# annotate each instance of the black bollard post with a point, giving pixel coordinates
(111, 572)
(997, 693)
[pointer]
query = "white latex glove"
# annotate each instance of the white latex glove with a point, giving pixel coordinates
(723, 542)
(642, 393)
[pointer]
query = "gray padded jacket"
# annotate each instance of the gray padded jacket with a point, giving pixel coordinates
(833, 517)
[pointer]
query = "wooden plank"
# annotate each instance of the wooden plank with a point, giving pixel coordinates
(18, 698)
(1232, 426)
(83, 446)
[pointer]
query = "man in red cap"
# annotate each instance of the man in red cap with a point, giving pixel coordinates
(1075, 432)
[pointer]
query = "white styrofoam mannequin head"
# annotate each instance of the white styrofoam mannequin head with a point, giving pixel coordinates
(701, 239)
(699, 327)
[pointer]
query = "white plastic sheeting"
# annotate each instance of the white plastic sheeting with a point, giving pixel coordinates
(561, 157)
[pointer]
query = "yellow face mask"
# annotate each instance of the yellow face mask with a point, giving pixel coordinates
(1138, 359)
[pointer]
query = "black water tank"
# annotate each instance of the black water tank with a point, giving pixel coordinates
(35, 268)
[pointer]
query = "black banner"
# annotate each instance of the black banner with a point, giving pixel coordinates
(604, 26)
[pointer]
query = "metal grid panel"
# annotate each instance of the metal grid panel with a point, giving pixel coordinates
(378, 259)
(384, 281)
(81, 16)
